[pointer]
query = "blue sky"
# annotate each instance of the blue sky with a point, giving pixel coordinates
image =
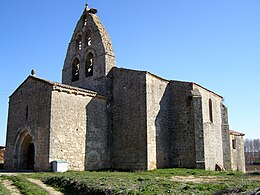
(215, 43)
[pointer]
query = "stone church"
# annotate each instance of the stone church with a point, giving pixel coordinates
(104, 117)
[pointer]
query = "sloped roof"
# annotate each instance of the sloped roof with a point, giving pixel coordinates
(62, 88)
(232, 132)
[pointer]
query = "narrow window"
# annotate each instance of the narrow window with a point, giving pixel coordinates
(234, 144)
(210, 111)
(75, 70)
(88, 38)
(79, 43)
(85, 21)
(180, 163)
(89, 64)
(26, 112)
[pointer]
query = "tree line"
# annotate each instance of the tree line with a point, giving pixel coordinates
(252, 151)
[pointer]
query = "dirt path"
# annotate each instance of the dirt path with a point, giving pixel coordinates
(11, 188)
(8, 173)
(198, 179)
(50, 190)
(14, 191)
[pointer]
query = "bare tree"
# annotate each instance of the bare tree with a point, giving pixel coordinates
(252, 151)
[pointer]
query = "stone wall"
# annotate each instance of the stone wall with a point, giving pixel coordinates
(197, 122)
(97, 146)
(158, 121)
(212, 129)
(29, 108)
(225, 138)
(182, 135)
(78, 132)
(237, 153)
(129, 146)
(2, 155)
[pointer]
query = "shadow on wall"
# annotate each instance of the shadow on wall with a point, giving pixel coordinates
(175, 136)
(96, 152)
(163, 125)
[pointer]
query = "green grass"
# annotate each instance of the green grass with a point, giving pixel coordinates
(24, 186)
(3, 190)
(149, 182)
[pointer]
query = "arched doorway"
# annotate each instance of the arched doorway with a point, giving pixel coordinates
(25, 151)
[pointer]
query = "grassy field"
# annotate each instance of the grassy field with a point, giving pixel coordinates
(163, 181)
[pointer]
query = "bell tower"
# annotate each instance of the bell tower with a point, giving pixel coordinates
(90, 55)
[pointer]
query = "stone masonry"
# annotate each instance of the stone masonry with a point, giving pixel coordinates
(104, 117)
(237, 151)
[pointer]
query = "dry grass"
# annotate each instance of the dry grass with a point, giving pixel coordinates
(252, 167)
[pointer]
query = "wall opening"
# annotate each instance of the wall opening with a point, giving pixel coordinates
(88, 38)
(75, 70)
(79, 43)
(89, 64)
(234, 144)
(84, 21)
(210, 111)
(180, 163)
(30, 157)
(24, 155)
(26, 112)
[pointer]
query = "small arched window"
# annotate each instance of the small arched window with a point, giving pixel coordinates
(88, 38)
(79, 42)
(89, 64)
(75, 70)
(210, 111)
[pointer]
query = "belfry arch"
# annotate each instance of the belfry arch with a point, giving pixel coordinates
(24, 151)
(93, 68)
